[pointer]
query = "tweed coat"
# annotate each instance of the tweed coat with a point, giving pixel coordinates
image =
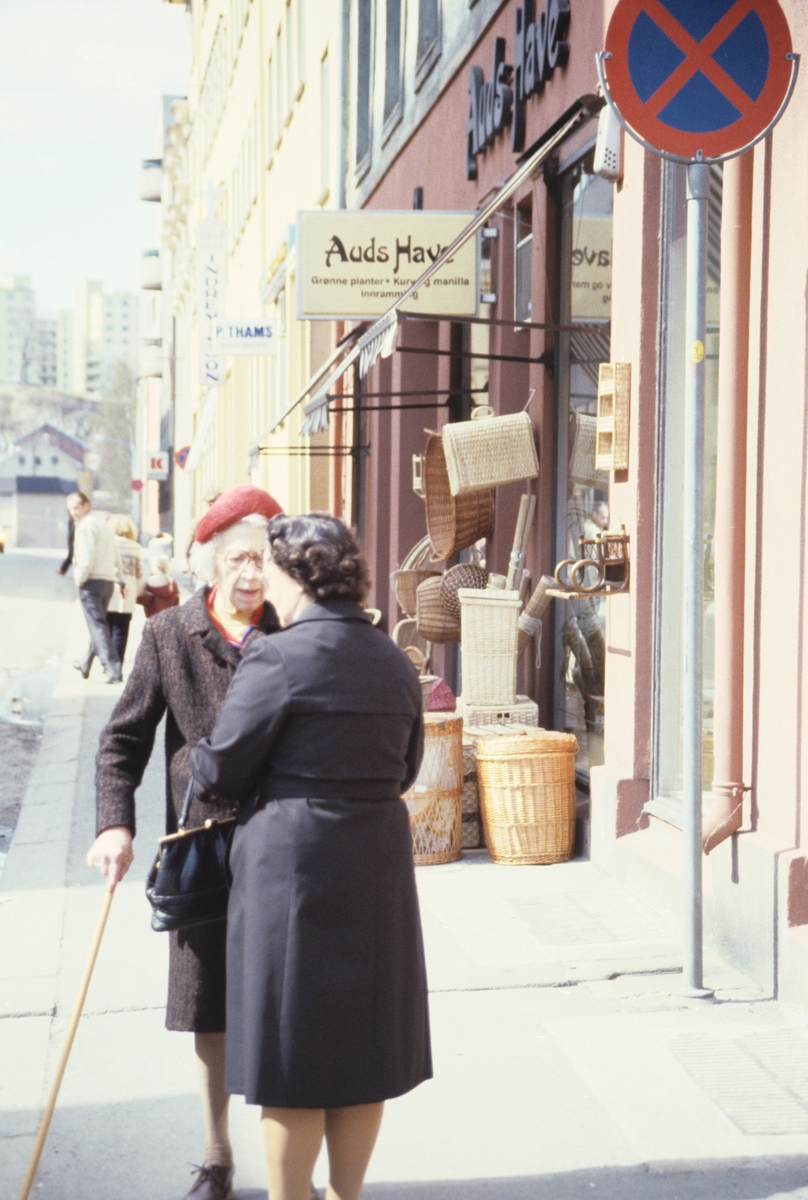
(319, 735)
(182, 669)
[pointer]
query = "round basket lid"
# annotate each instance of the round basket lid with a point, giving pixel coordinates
(527, 742)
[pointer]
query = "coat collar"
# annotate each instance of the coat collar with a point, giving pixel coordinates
(336, 609)
(197, 621)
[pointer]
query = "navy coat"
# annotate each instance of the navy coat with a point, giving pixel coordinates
(319, 735)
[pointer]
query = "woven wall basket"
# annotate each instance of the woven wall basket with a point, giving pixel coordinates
(434, 623)
(453, 522)
(435, 801)
(527, 796)
(488, 451)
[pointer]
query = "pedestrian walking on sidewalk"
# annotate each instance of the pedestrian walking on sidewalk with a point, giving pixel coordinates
(182, 670)
(160, 591)
(318, 737)
(122, 604)
(97, 572)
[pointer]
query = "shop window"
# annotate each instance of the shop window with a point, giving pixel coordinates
(363, 89)
(582, 491)
(522, 276)
(428, 50)
(666, 765)
(392, 67)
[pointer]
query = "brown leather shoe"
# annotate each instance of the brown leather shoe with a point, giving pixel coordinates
(212, 1183)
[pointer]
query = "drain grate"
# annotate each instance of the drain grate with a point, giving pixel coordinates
(760, 1082)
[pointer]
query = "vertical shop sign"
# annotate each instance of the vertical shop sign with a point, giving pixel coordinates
(211, 266)
(540, 46)
(696, 83)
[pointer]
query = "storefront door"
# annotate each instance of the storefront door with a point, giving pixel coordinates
(582, 492)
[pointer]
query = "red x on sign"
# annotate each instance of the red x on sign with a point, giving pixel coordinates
(689, 75)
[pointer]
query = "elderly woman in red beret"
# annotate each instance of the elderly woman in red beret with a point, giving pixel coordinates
(184, 664)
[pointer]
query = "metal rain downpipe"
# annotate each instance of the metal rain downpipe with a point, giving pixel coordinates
(726, 811)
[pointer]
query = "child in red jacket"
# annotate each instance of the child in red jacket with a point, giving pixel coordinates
(161, 590)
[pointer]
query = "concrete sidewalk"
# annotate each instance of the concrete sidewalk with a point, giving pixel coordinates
(565, 1065)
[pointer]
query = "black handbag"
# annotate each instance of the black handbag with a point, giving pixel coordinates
(188, 884)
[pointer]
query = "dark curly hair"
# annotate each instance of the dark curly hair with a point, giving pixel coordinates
(322, 554)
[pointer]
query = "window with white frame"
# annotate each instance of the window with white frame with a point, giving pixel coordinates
(364, 51)
(289, 59)
(213, 92)
(301, 45)
(272, 110)
(279, 88)
(428, 49)
(325, 126)
(393, 84)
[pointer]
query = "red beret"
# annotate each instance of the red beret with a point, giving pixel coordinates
(234, 505)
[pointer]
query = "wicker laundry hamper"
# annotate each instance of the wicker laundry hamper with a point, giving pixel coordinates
(523, 711)
(453, 523)
(527, 795)
(434, 622)
(489, 625)
(488, 451)
(463, 575)
(435, 801)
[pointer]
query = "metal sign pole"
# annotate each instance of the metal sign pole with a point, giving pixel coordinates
(698, 192)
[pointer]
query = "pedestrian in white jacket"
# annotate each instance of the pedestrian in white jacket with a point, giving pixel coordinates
(97, 572)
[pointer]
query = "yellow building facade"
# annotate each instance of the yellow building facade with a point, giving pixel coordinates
(261, 138)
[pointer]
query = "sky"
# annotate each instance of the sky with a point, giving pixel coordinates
(80, 102)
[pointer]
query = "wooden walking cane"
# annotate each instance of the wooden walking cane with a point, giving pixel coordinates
(71, 1033)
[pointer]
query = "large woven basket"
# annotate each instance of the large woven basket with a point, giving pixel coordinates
(463, 575)
(488, 451)
(435, 801)
(527, 795)
(453, 523)
(490, 629)
(435, 624)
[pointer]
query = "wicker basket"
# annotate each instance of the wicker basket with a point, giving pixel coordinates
(501, 716)
(464, 575)
(488, 451)
(527, 795)
(583, 469)
(405, 584)
(453, 524)
(435, 802)
(405, 634)
(489, 624)
(434, 623)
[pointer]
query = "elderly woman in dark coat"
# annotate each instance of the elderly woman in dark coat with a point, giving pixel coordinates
(320, 734)
(184, 664)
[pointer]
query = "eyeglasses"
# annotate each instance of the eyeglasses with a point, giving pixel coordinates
(237, 560)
